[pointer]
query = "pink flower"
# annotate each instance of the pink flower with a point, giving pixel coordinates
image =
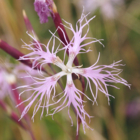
(13, 74)
(5, 80)
(44, 94)
(42, 9)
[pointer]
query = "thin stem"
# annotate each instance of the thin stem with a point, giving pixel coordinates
(79, 122)
(12, 115)
(21, 108)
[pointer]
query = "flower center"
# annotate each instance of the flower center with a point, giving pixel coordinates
(68, 69)
(10, 78)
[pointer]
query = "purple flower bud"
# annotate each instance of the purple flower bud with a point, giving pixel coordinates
(42, 9)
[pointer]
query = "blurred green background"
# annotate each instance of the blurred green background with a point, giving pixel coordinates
(121, 34)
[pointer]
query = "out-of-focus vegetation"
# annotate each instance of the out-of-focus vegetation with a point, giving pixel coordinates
(118, 121)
